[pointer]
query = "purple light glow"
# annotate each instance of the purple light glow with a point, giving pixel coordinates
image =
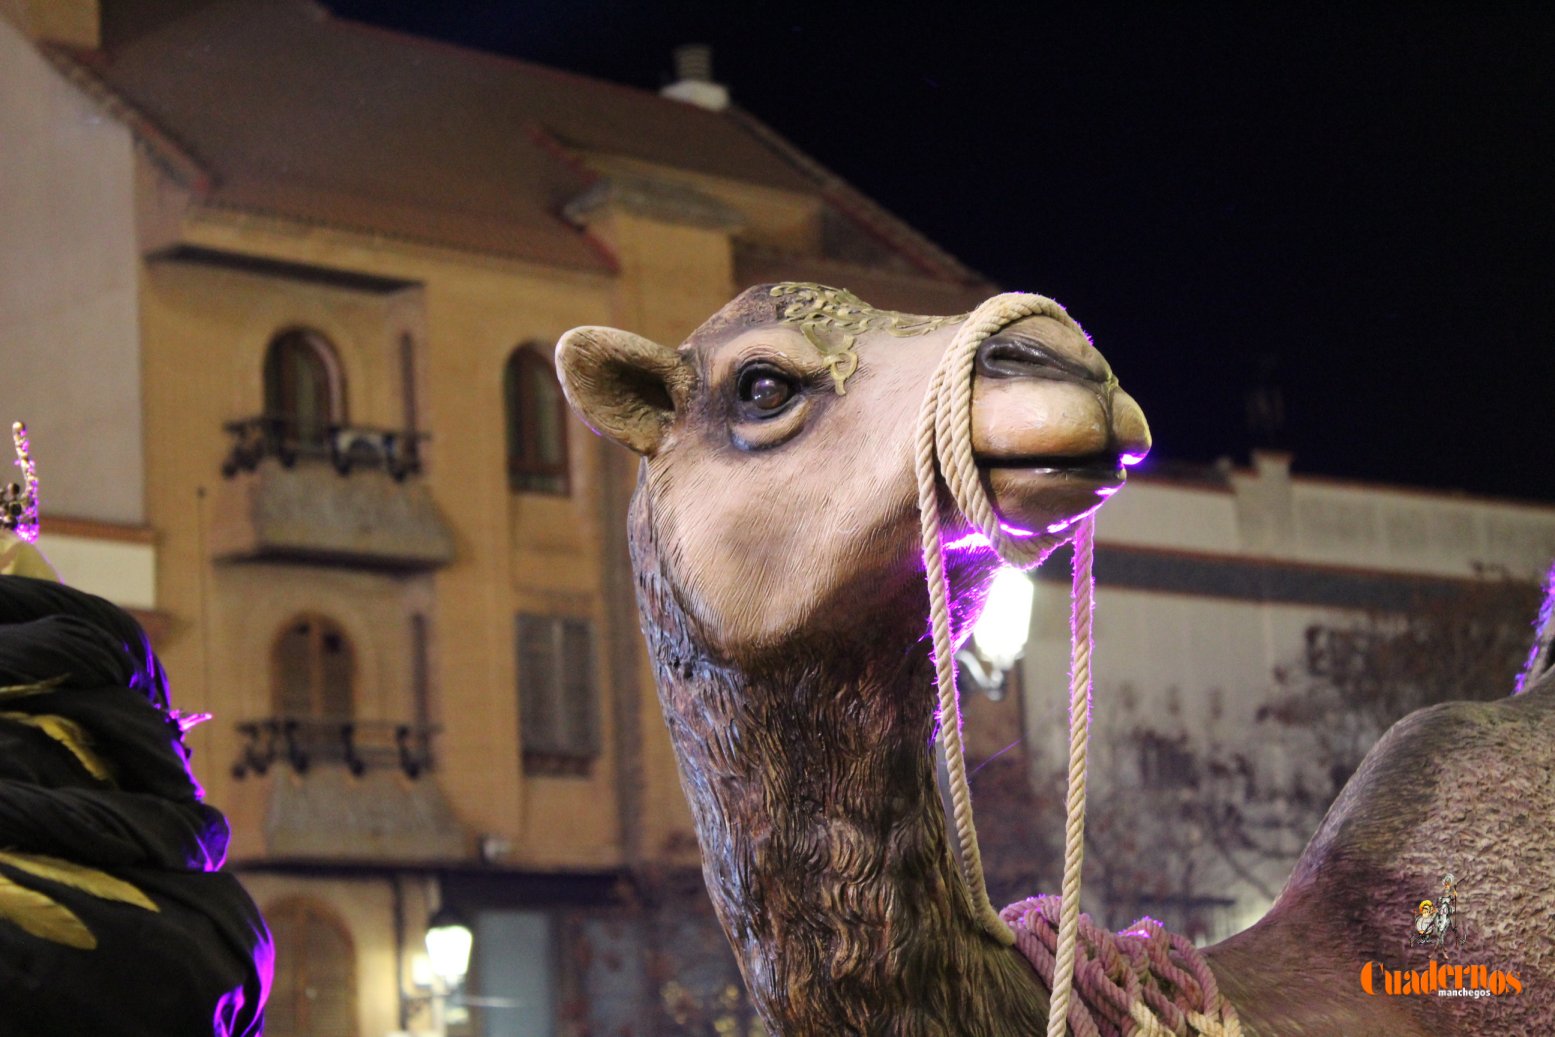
(1541, 633)
(1108, 491)
(1131, 459)
(225, 1021)
(975, 539)
(187, 721)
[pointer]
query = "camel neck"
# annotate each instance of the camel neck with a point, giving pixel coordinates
(823, 840)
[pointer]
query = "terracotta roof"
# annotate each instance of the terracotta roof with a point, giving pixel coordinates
(290, 111)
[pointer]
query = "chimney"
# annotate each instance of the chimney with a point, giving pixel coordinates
(694, 83)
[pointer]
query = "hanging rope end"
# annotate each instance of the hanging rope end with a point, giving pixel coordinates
(1001, 933)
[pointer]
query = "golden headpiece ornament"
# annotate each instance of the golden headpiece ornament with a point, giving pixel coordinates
(19, 518)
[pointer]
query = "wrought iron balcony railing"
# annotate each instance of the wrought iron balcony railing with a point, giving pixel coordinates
(302, 742)
(396, 451)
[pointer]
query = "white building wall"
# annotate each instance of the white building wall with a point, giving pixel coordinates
(69, 335)
(123, 571)
(1200, 658)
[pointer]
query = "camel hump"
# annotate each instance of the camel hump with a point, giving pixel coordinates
(1461, 789)
(1447, 779)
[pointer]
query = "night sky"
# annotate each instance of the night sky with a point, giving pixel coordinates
(1355, 208)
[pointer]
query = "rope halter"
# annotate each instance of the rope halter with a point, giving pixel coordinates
(945, 446)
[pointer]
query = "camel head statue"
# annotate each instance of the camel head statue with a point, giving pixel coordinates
(774, 534)
(779, 468)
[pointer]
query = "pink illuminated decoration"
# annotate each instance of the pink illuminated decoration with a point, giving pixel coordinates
(21, 502)
(1538, 662)
(976, 541)
(187, 721)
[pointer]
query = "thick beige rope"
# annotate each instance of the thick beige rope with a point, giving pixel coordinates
(1082, 598)
(945, 436)
(945, 446)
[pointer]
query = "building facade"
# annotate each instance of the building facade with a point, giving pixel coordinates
(282, 293)
(1209, 580)
(286, 290)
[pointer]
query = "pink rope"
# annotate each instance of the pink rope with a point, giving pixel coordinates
(1143, 981)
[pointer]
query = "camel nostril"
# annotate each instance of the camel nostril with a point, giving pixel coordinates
(1017, 356)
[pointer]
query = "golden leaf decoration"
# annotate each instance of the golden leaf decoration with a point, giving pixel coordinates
(17, 691)
(78, 876)
(43, 916)
(69, 734)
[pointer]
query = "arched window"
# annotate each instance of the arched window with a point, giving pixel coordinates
(314, 669)
(304, 393)
(314, 994)
(537, 424)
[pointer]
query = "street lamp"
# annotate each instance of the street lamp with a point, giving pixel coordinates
(449, 941)
(999, 636)
(437, 978)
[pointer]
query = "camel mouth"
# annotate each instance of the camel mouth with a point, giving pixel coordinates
(1044, 493)
(1100, 474)
(1105, 467)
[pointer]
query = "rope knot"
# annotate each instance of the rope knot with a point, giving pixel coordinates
(1143, 981)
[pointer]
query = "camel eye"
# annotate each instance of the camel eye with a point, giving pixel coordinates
(765, 391)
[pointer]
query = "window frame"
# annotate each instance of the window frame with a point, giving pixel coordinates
(279, 384)
(321, 626)
(560, 719)
(527, 471)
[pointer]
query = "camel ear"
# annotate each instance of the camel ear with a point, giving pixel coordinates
(623, 385)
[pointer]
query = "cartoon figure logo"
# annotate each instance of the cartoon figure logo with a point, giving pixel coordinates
(1434, 920)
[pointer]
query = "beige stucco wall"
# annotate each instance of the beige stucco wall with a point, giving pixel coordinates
(69, 332)
(206, 331)
(366, 907)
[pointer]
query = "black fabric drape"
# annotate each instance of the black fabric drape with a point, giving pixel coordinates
(197, 966)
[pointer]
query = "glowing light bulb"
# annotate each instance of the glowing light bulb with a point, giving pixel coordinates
(1001, 631)
(449, 942)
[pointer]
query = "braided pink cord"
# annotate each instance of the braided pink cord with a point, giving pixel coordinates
(1144, 981)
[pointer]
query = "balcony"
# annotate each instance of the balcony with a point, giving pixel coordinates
(345, 447)
(348, 495)
(346, 790)
(301, 742)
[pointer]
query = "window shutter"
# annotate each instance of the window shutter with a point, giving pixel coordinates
(558, 698)
(536, 680)
(294, 671)
(577, 687)
(313, 670)
(335, 673)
